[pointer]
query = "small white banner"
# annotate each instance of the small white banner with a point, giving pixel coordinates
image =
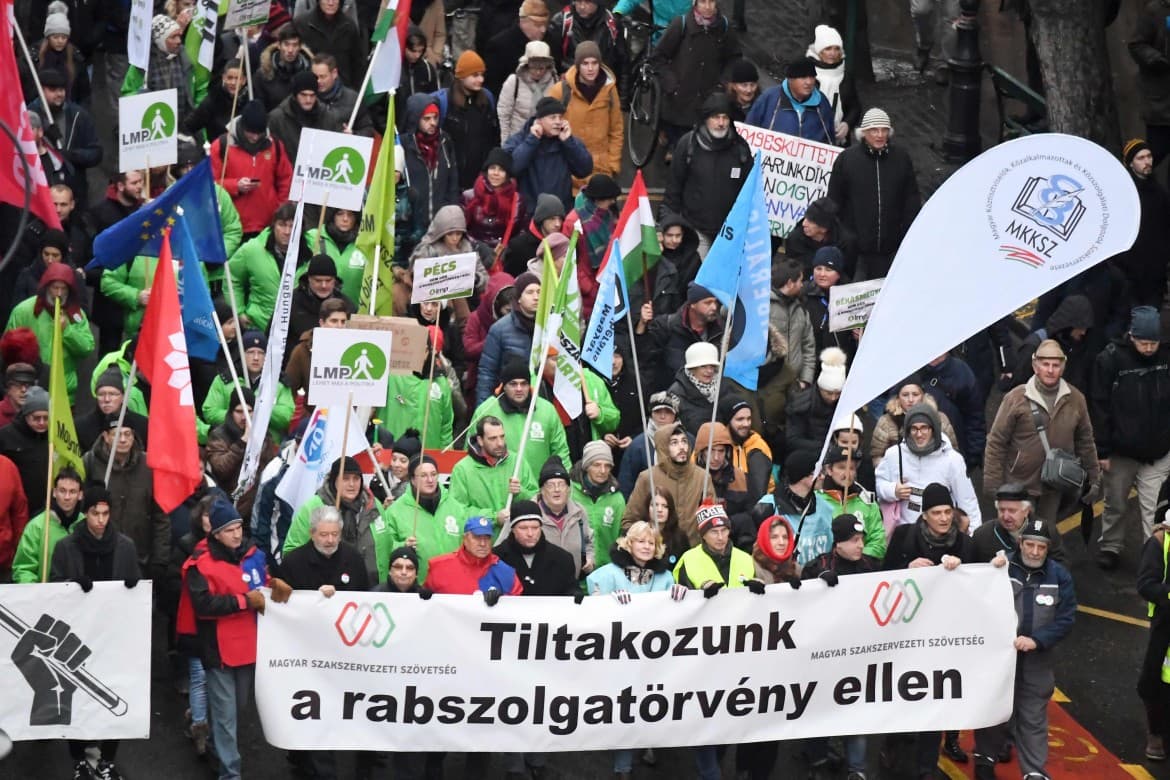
(148, 130)
(879, 652)
(332, 164)
(246, 13)
(138, 35)
(75, 665)
(850, 304)
(349, 362)
(444, 278)
(796, 172)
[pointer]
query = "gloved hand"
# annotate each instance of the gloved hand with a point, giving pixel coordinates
(491, 596)
(53, 133)
(710, 588)
(678, 592)
(830, 577)
(622, 596)
(281, 590)
(130, 582)
(255, 600)
(85, 582)
(425, 593)
(578, 597)
(755, 586)
(794, 582)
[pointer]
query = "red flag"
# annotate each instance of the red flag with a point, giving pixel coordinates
(14, 114)
(162, 356)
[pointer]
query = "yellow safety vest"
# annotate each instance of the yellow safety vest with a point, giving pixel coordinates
(1165, 561)
(701, 568)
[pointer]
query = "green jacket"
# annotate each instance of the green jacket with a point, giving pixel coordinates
(76, 338)
(546, 435)
(26, 565)
(197, 84)
(437, 533)
(406, 400)
(221, 395)
(233, 232)
(375, 547)
(605, 516)
(256, 279)
(871, 518)
(351, 265)
(607, 421)
(483, 489)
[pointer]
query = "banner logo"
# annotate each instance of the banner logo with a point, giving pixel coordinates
(361, 624)
(344, 165)
(364, 361)
(159, 120)
(895, 602)
(1052, 203)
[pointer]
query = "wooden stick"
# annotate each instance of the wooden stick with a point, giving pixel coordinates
(344, 447)
(121, 417)
(243, 33)
(231, 295)
(642, 410)
(33, 70)
(715, 404)
(235, 100)
(427, 411)
(231, 369)
(320, 224)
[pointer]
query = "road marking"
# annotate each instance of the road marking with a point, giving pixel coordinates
(950, 770)
(1073, 521)
(1138, 771)
(1104, 613)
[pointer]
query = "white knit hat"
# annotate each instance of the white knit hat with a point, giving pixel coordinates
(875, 118)
(832, 376)
(701, 353)
(57, 21)
(826, 36)
(161, 28)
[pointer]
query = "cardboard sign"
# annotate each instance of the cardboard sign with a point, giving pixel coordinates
(850, 304)
(444, 278)
(148, 130)
(246, 13)
(410, 340)
(138, 35)
(333, 165)
(796, 172)
(349, 367)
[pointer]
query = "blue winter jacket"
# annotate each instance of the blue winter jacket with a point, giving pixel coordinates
(774, 111)
(611, 577)
(664, 11)
(1046, 602)
(547, 165)
(506, 336)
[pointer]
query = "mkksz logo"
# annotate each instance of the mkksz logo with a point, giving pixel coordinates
(364, 624)
(1052, 203)
(895, 602)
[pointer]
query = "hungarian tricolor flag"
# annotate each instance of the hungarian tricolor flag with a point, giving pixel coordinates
(636, 238)
(389, 31)
(14, 114)
(162, 357)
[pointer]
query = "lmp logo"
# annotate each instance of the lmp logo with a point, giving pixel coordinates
(895, 601)
(365, 625)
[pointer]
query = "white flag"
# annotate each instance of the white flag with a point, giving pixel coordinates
(138, 41)
(320, 446)
(1013, 223)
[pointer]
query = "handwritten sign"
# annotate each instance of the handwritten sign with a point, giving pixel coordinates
(796, 172)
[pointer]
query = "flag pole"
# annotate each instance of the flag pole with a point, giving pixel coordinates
(235, 100)
(243, 33)
(49, 475)
(320, 224)
(725, 341)
(432, 343)
(374, 273)
(544, 345)
(642, 411)
(121, 417)
(232, 368)
(361, 93)
(33, 70)
(231, 294)
(344, 448)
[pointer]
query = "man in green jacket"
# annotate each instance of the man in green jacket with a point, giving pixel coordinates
(58, 282)
(840, 478)
(546, 433)
(256, 267)
(426, 517)
(63, 513)
(483, 480)
(339, 240)
(406, 402)
(221, 394)
(597, 492)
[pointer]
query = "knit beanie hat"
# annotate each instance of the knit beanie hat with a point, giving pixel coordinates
(524, 510)
(697, 292)
(253, 118)
(934, 495)
(832, 376)
(742, 72)
(1036, 530)
(56, 239)
(716, 103)
(407, 553)
(94, 493)
(803, 68)
(408, 444)
(514, 367)
(249, 398)
(1145, 323)
(468, 64)
(825, 36)
(498, 156)
(586, 50)
(161, 28)
(829, 256)
(417, 461)
(321, 265)
(595, 451)
(37, 400)
(821, 211)
(553, 468)
(303, 81)
(523, 281)
(875, 118)
(111, 377)
(222, 514)
(547, 106)
(846, 526)
(57, 22)
(1128, 152)
(547, 205)
(799, 464)
(711, 515)
(346, 465)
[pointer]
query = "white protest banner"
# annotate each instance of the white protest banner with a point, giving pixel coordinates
(138, 41)
(246, 13)
(850, 304)
(879, 652)
(148, 130)
(204, 21)
(349, 362)
(444, 278)
(333, 163)
(1013, 223)
(796, 172)
(71, 671)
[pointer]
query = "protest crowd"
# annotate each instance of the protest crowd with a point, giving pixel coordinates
(502, 463)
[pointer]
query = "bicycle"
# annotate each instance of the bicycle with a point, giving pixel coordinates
(645, 95)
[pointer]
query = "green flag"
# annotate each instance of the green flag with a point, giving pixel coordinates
(547, 320)
(567, 301)
(375, 238)
(66, 448)
(387, 17)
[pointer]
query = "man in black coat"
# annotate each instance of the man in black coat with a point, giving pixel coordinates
(325, 563)
(25, 441)
(820, 226)
(326, 30)
(1144, 263)
(501, 41)
(72, 134)
(1013, 509)
(109, 391)
(668, 336)
(544, 569)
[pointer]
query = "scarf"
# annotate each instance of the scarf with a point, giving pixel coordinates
(343, 238)
(705, 21)
(596, 226)
(706, 388)
(590, 90)
(936, 541)
(428, 148)
(429, 504)
(812, 101)
(67, 519)
(97, 555)
(494, 203)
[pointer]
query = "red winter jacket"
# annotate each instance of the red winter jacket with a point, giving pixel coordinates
(270, 166)
(212, 603)
(13, 511)
(461, 572)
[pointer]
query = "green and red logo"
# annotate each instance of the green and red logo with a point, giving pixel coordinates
(364, 624)
(895, 602)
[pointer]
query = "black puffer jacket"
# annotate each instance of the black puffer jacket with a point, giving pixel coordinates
(877, 194)
(1075, 311)
(809, 418)
(666, 339)
(1150, 48)
(551, 573)
(705, 178)
(436, 188)
(1130, 402)
(1144, 264)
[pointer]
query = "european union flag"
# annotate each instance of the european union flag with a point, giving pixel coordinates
(193, 197)
(194, 297)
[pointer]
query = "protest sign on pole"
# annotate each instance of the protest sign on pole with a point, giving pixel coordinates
(369, 671)
(148, 130)
(796, 172)
(246, 13)
(444, 278)
(138, 41)
(850, 304)
(410, 340)
(349, 364)
(334, 165)
(70, 671)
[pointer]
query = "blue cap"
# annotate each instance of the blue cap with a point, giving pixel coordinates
(480, 526)
(222, 514)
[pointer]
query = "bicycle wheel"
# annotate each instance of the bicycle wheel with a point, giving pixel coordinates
(642, 122)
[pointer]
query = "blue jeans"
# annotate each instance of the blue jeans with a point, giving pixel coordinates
(227, 690)
(197, 690)
(623, 761)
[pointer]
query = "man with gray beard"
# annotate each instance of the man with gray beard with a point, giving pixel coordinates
(1013, 510)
